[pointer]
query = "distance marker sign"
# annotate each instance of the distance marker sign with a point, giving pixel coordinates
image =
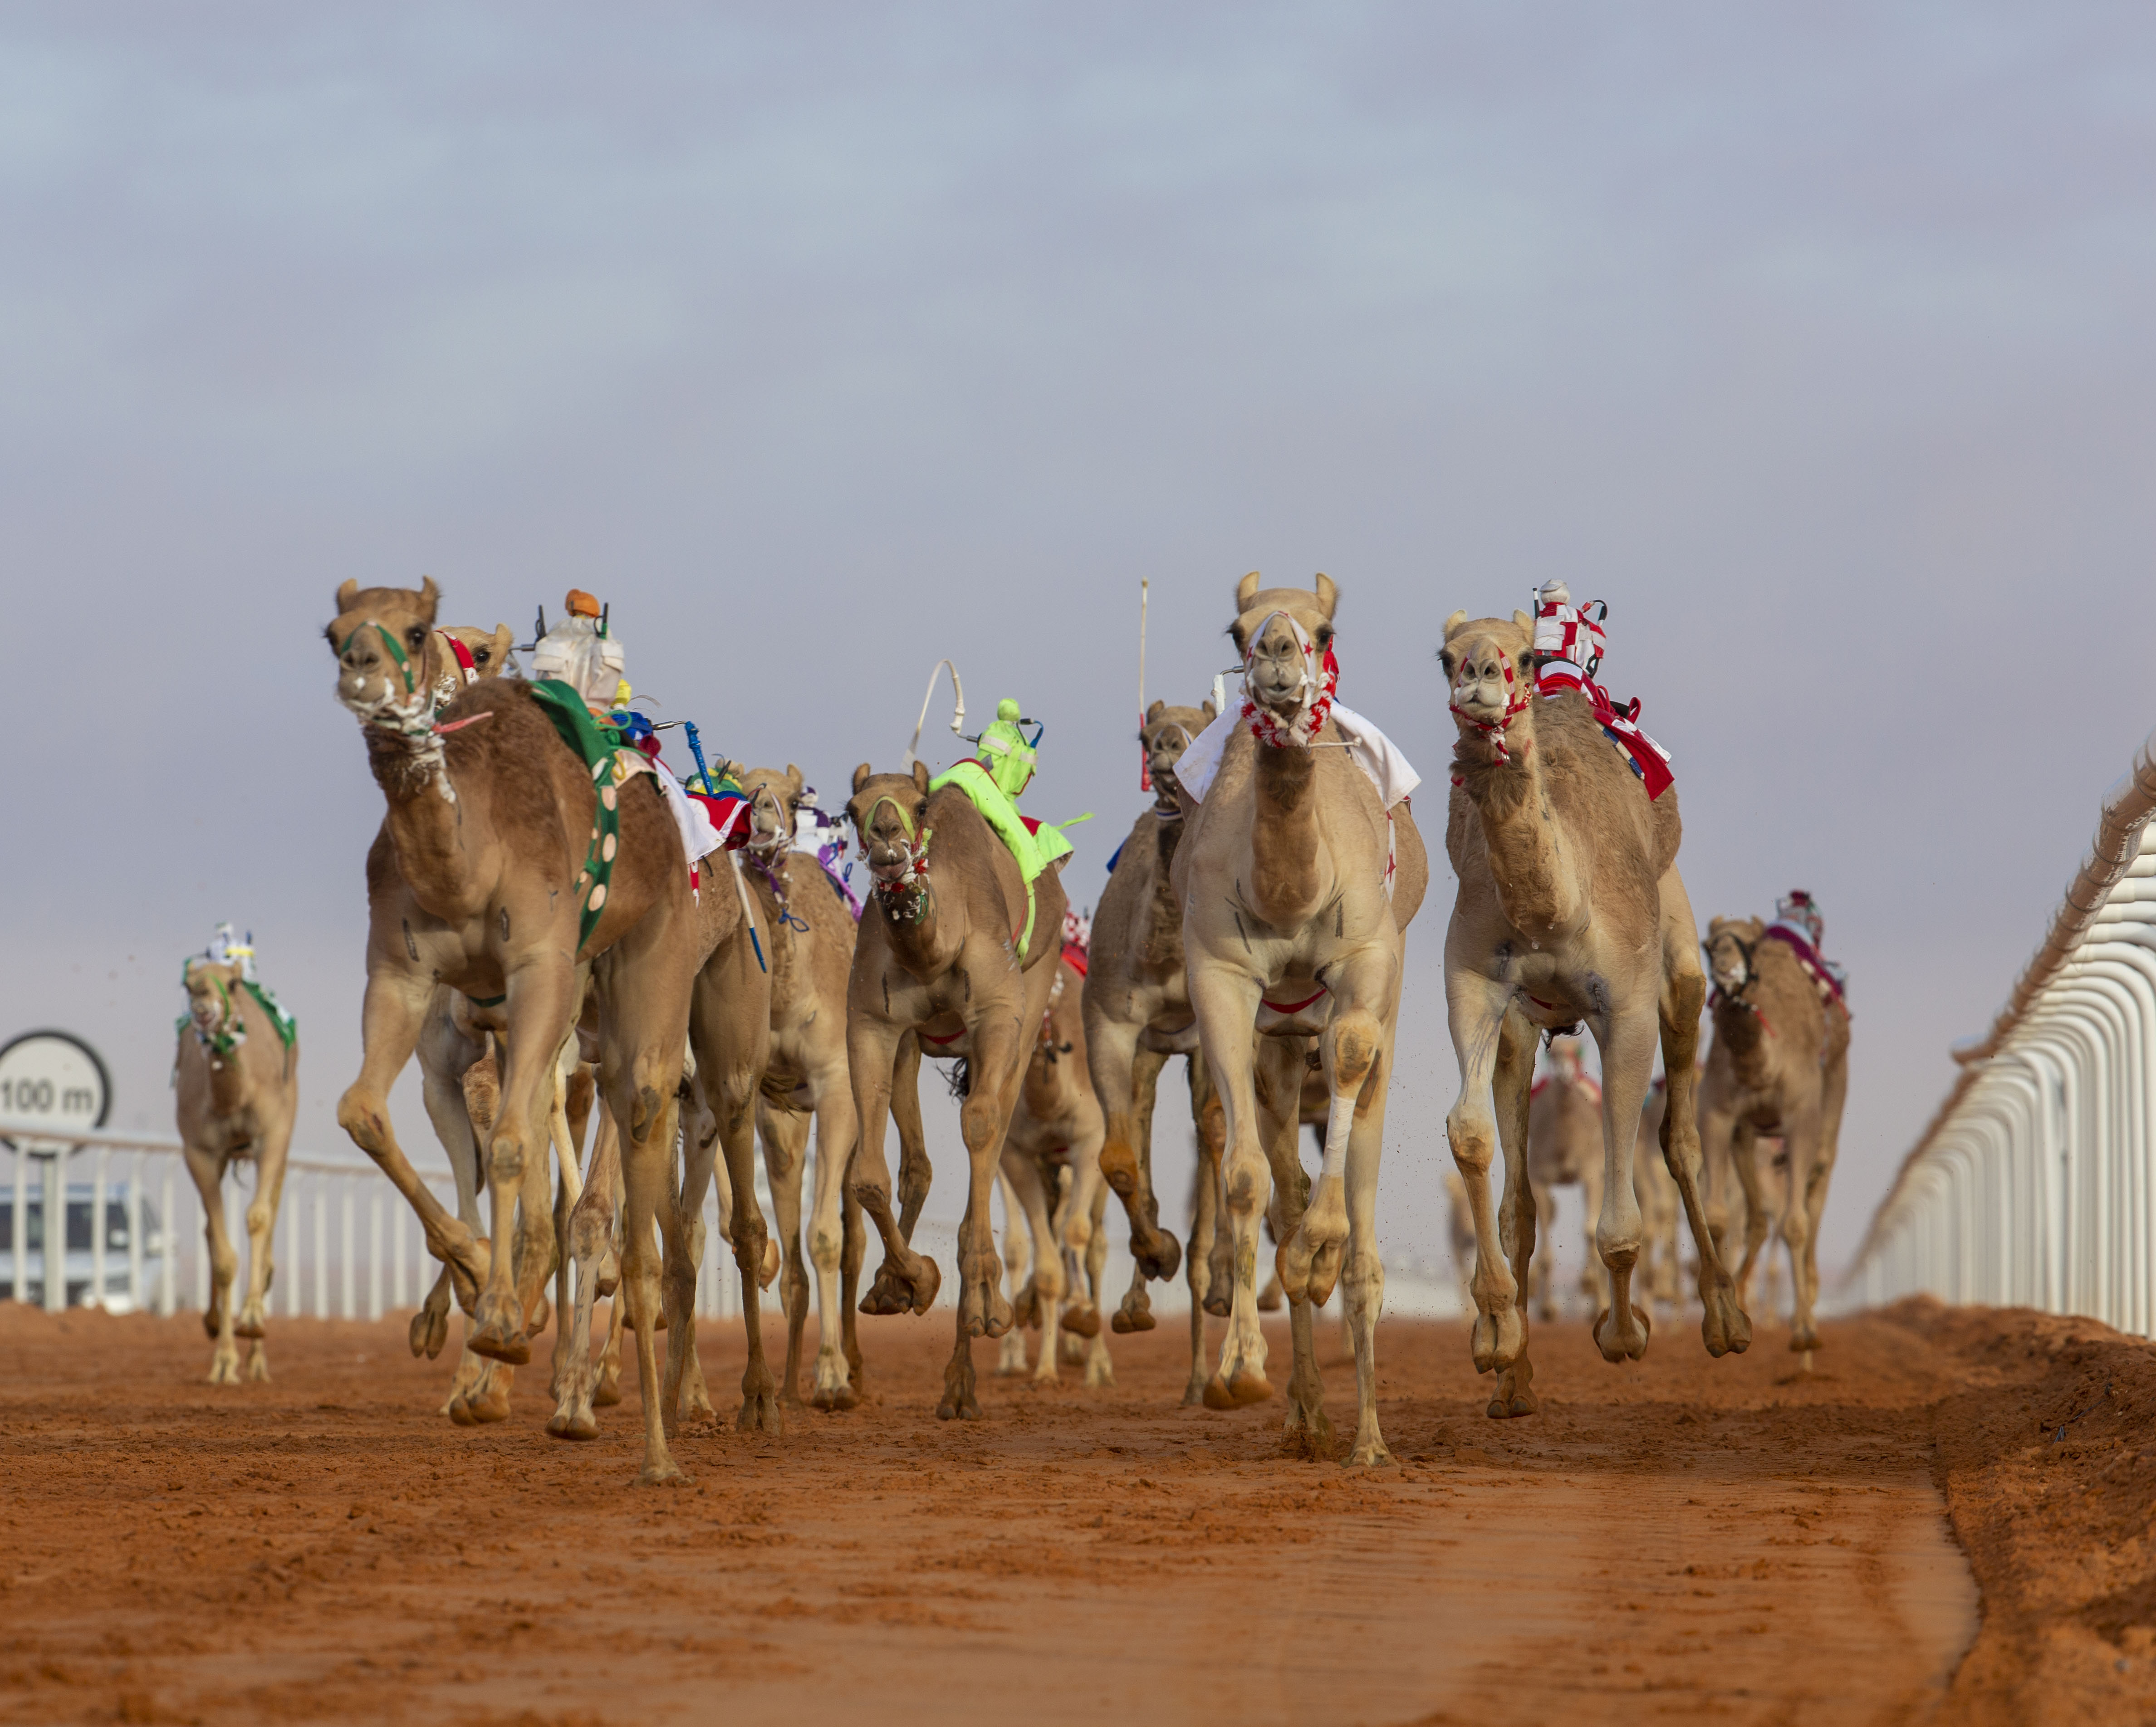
(54, 1078)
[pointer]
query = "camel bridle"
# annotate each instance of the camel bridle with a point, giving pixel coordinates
(1320, 679)
(412, 718)
(1516, 704)
(1739, 996)
(902, 886)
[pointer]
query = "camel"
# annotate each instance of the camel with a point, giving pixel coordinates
(1058, 1128)
(812, 955)
(1297, 878)
(238, 1078)
(473, 881)
(1570, 910)
(1564, 1149)
(955, 950)
(1137, 1011)
(1779, 1064)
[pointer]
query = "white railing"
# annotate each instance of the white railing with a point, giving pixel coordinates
(346, 1245)
(2031, 1187)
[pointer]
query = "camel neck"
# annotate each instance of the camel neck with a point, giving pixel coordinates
(1286, 880)
(1163, 940)
(434, 854)
(230, 1091)
(1537, 885)
(916, 941)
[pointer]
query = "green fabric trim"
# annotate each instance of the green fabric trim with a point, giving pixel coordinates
(1034, 852)
(486, 1001)
(288, 1025)
(595, 745)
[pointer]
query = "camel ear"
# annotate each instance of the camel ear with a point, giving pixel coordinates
(794, 773)
(1155, 711)
(921, 776)
(1454, 624)
(1527, 624)
(860, 778)
(1205, 707)
(504, 642)
(1328, 595)
(430, 595)
(347, 592)
(1246, 591)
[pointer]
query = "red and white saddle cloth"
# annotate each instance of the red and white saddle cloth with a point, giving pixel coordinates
(1826, 976)
(1569, 645)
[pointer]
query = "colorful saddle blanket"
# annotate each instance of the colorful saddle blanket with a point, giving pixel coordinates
(1829, 979)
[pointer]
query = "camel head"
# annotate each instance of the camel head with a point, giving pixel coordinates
(382, 638)
(890, 814)
(774, 794)
(467, 655)
(1731, 945)
(213, 987)
(1285, 636)
(1167, 733)
(1489, 670)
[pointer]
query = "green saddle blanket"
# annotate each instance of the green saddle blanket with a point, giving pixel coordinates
(1035, 847)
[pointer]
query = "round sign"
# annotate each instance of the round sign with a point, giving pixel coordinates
(54, 1078)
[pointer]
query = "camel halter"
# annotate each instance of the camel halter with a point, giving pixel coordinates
(1319, 681)
(412, 718)
(911, 877)
(466, 676)
(1516, 704)
(231, 1031)
(1739, 996)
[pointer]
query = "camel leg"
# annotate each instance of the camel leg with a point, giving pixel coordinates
(1833, 1095)
(1744, 1164)
(1084, 1202)
(1542, 1285)
(1050, 1282)
(589, 1234)
(906, 1281)
(1363, 986)
(1511, 1088)
(208, 1171)
(568, 1188)
(688, 1393)
(391, 1017)
(1800, 1139)
(1017, 1263)
(1477, 1011)
(834, 1387)
(541, 1008)
(1100, 1369)
(261, 1231)
(785, 1137)
(854, 1239)
(1204, 1220)
(1723, 1325)
(445, 1056)
(999, 1065)
(1627, 1040)
(1226, 1004)
(1280, 1064)
(1363, 1277)
(1593, 1284)
(1122, 1069)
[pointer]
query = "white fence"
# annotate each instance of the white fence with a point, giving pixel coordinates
(346, 1245)
(2031, 1187)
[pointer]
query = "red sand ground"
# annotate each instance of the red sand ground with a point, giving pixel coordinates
(1681, 1539)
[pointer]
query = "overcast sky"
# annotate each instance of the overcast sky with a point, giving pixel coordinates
(826, 341)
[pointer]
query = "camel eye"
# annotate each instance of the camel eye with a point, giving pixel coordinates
(1445, 659)
(1325, 638)
(416, 636)
(482, 655)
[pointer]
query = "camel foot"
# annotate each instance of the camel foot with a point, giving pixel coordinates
(258, 1365)
(981, 1304)
(1157, 1253)
(893, 1293)
(225, 1367)
(1618, 1341)
(1193, 1394)
(1136, 1314)
(1025, 1307)
(1723, 1325)
(835, 1397)
(1806, 1367)
(501, 1344)
(1245, 1385)
(608, 1392)
(1515, 1394)
(1803, 1341)
(1498, 1339)
(1010, 1356)
(1307, 1433)
(664, 1472)
(1221, 1305)
(1083, 1319)
(430, 1330)
(574, 1424)
(1370, 1454)
(760, 1413)
(1100, 1370)
(958, 1405)
(1272, 1298)
(539, 1315)
(834, 1388)
(249, 1325)
(1119, 1169)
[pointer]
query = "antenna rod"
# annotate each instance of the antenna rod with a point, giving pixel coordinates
(1145, 761)
(957, 719)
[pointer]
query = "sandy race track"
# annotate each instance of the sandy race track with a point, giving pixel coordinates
(1684, 1540)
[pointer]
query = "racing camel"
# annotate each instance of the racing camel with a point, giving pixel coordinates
(1570, 910)
(955, 948)
(500, 861)
(1299, 870)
